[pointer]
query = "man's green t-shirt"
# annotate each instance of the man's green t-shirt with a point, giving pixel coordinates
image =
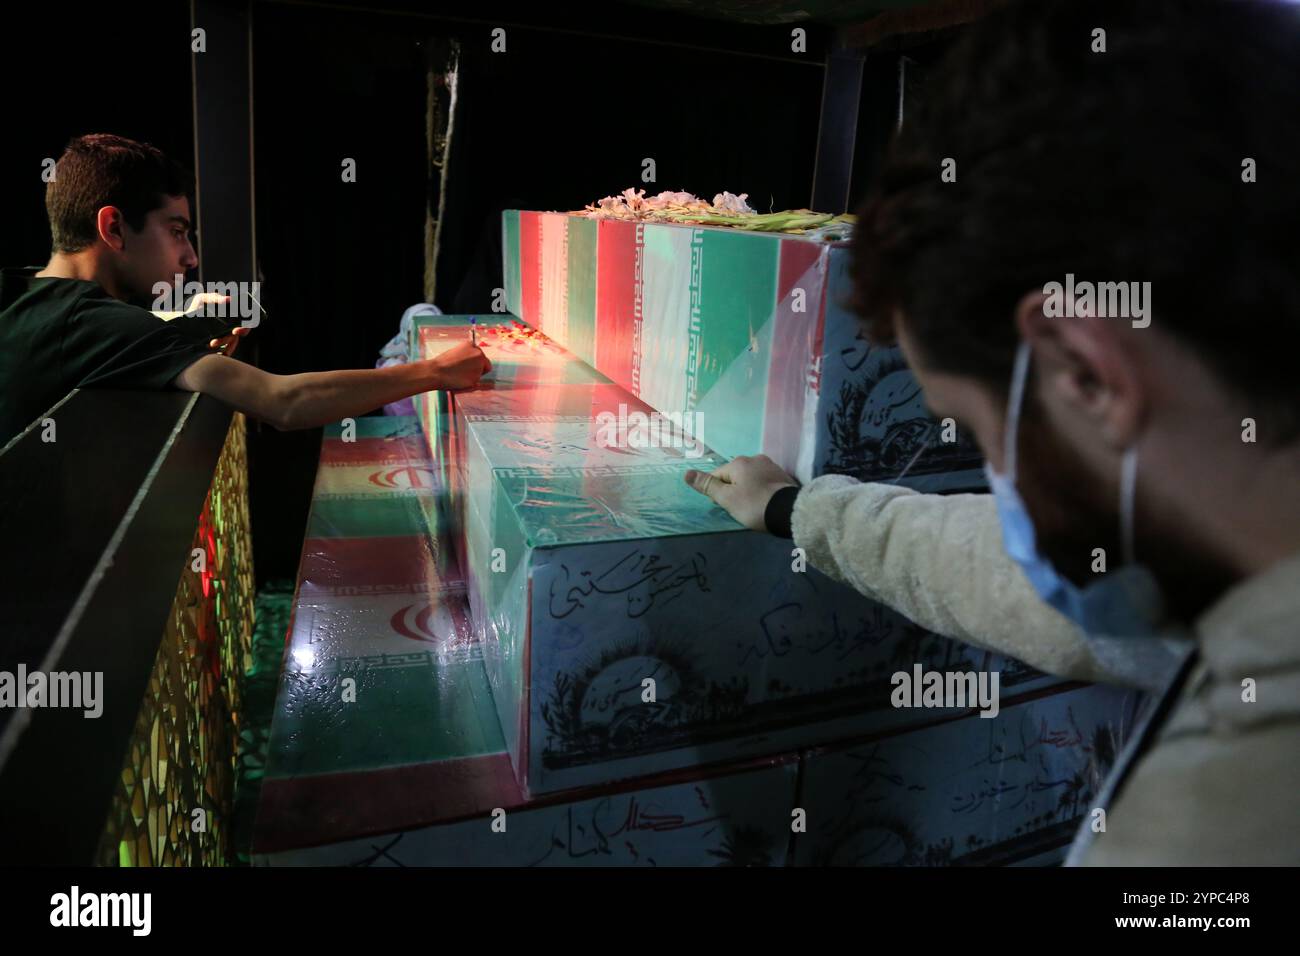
(61, 334)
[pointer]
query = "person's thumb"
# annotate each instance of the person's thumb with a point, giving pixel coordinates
(706, 484)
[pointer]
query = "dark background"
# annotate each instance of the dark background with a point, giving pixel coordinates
(564, 117)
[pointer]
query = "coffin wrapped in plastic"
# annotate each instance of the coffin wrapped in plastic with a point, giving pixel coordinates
(630, 626)
(751, 332)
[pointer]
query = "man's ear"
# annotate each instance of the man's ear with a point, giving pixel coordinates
(1086, 367)
(108, 222)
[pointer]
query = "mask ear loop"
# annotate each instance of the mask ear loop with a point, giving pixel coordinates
(1019, 375)
(1128, 470)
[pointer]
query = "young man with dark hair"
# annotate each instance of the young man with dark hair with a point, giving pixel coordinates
(1145, 461)
(120, 219)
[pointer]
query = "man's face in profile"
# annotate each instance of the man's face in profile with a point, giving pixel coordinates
(158, 251)
(1073, 509)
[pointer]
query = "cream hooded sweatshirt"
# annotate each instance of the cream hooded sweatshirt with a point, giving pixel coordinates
(1219, 780)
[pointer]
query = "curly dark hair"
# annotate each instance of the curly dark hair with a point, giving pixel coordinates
(1125, 165)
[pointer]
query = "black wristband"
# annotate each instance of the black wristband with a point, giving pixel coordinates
(780, 507)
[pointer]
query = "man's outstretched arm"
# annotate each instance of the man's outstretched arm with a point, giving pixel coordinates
(936, 559)
(311, 399)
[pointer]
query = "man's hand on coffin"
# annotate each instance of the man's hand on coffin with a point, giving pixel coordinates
(743, 487)
(460, 366)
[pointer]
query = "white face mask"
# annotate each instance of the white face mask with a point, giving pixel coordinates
(1125, 602)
